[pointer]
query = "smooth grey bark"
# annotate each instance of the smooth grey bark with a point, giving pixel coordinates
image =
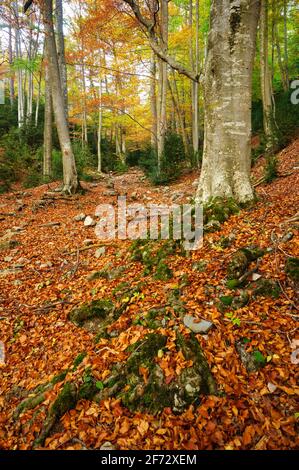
(153, 101)
(61, 52)
(10, 59)
(18, 55)
(228, 95)
(47, 153)
(162, 84)
(266, 81)
(70, 177)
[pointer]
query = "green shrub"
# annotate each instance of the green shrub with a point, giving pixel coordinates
(271, 170)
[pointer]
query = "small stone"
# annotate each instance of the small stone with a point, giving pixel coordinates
(79, 217)
(109, 193)
(48, 264)
(197, 327)
(17, 282)
(88, 242)
(100, 252)
(89, 222)
(271, 387)
(107, 446)
(8, 259)
(195, 184)
(256, 276)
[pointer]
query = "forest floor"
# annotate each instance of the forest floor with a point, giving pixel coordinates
(43, 277)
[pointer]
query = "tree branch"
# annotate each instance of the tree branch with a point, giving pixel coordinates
(148, 28)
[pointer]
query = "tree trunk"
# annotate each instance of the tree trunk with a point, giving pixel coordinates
(100, 125)
(286, 54)
(162, 86)
(153, 100)
(47, 156)
(10, 58)
(18, 53)
(195, 86)
(70, 177)
(266, 83)
(61, 53)
(228, 94)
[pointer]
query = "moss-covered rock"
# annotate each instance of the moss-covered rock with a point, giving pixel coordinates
(219, 209)
(265, 288)
(241, 260)
(152, 393)
(292, 268)
(95, 309)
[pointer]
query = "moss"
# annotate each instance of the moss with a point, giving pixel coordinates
(219, 209)
(199, 266)
(146, 351)
(292, 268)
(238, 265)
(241, 260)
(226, 300)
(59, 378)
(79, 359)
(95, 309)
(265, 288)
(241, 300)
(163, 272)
(88, 388)
(65, 401)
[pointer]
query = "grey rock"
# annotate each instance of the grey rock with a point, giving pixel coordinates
(89, 222)
(79, 217)
(100, 252)
(197, 327)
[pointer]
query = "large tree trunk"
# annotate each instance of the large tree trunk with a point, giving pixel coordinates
(228, 93)
(266, 82)
(47, 155)
(70, 177)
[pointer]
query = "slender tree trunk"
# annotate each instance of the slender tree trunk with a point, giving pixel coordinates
(278, 49)
(286, 54)
(18, 53)
(47, 156)
(228, 95)
(153, 99)
(10, 58)
(266, 83)
(70, 177)
(162, 85)
(100, 125)
(176, 104)
(195, 121)
(38, 99)
(61, 53)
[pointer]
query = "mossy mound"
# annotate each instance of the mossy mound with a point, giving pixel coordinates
(292, 268)
(265, 288)
(219, 210)
(153, 259)
(100, 309)
(150, 392)
(241, 260)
